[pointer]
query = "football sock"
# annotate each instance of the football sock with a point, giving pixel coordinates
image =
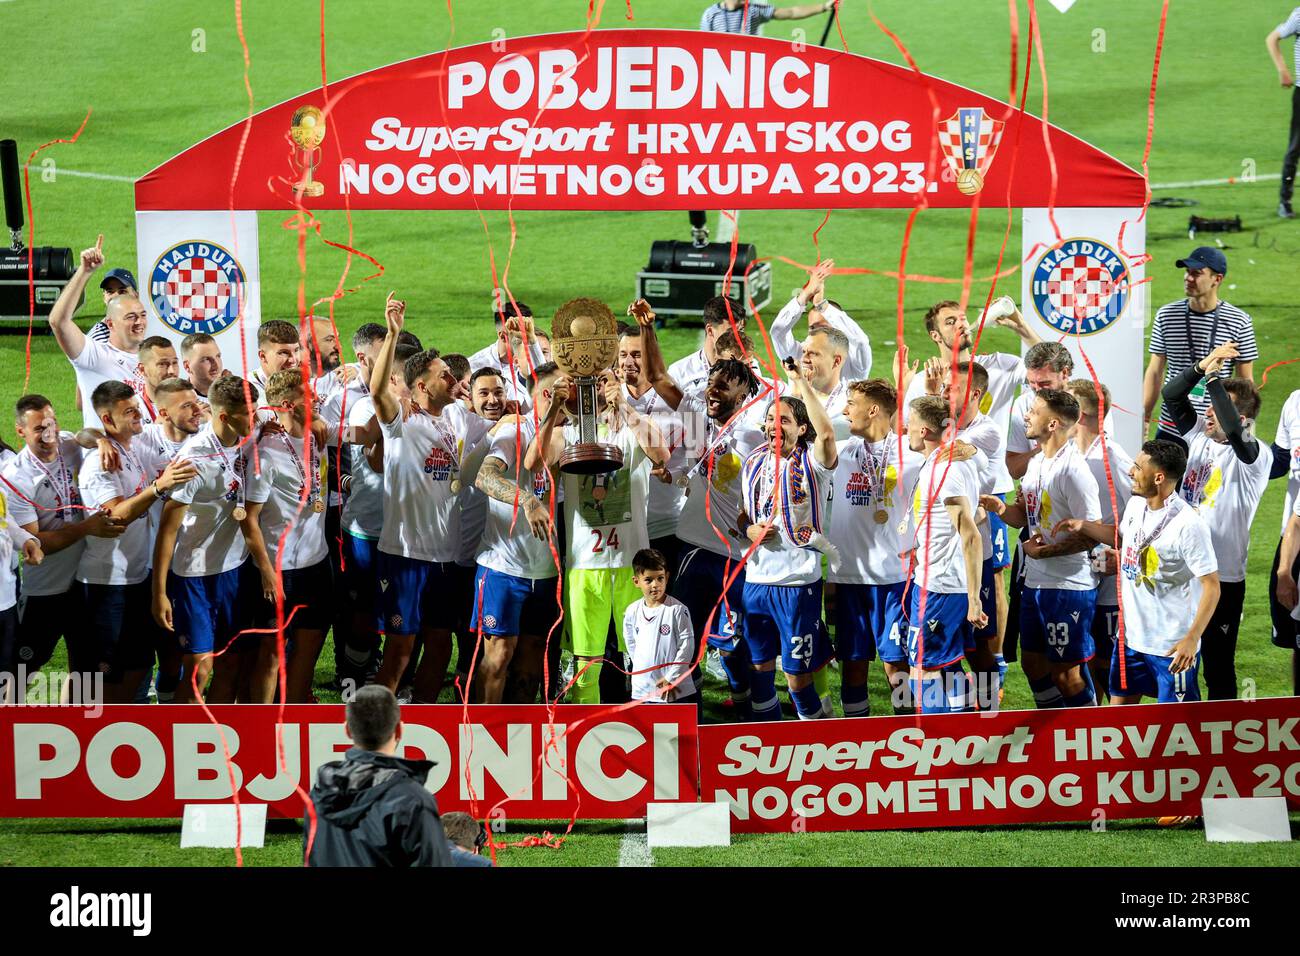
(586, 687)
(738, 679)
(165, 684)
(1086, 697)
(957, 686)
(930, 693)
(765, 705)
(1002, 669)
(854, 699)
(1046, 696)
(807, 702)
(822, 681)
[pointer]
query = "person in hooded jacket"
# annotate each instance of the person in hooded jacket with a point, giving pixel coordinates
(371, 807)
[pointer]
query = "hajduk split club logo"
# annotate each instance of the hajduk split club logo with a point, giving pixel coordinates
(1081, 287)
(196, 287)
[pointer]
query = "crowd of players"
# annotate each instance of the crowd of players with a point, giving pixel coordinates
(410, 502)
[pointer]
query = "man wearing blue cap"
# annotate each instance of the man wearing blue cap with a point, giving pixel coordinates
(1187, 331)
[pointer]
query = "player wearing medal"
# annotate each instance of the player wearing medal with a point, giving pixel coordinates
(1169, 580)
(514, 600)
(203, 583)
(516, 334)
(278, 348)
(44, 500)
(1227, 474)
(691, 373)
(710, 578)
(117, 359)
(115, 571)
(945, 603)
(1060, 592)
(201, 360)
(605, 521)
(784, 484)
(293, 526)
(852, 347)
(1110, 465)
(428, 453)
(866, 507)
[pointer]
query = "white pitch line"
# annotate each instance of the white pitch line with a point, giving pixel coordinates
(60, 171)
(1231, 181)
(634, 850)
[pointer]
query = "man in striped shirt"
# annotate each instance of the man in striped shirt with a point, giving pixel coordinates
(1290, 28)
(737, 16)
(1187, 331)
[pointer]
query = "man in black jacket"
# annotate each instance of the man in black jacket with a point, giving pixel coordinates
(371, 807)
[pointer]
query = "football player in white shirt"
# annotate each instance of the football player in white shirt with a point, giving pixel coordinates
(293, 526)
(944, 605)
(1169, 579)
(856, 363)
(95, 362)
(867, 505)
(785, 484)
(605, 517)
(1227, 474)
(203, 582)
(201, 360)
(718, 436)
(115, 571)
(666, 496)
(429, 454)
(515, 353)
(660, 641)
(158, 362)
(1060, 592)
(691, 374)
(44, 500)
(1110, 465)
(515, 605)
(1284, 580)
(180, 415)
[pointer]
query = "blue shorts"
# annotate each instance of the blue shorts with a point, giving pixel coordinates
(988, 601)
(1148, 675)
(360, 559)
(207, 610)
(1057, 624)
(1105, 629)
(864, 614)
(415, 594)
(946, 634)
(512, 606)
(1001, 540)
(698, 584)
(787, 620)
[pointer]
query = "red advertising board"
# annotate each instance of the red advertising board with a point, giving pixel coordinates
(132, 761)
(639, 119)
(1012, 767)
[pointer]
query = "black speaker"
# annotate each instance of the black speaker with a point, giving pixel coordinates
(51, 266)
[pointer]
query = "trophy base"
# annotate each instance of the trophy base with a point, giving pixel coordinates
(313, 189)
(591, 459)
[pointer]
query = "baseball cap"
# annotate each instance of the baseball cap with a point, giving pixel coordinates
(121, 275)
(1205, 257)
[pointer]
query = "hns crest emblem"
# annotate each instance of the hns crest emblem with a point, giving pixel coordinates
(196, 286)
(1080, 288)
(968, 139)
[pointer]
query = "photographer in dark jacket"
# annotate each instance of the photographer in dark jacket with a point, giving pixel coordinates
(371, 807)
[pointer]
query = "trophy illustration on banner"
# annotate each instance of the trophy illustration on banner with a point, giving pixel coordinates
(584, 342)
(307, 133)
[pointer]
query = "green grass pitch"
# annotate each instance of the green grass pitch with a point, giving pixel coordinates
(1219, 114)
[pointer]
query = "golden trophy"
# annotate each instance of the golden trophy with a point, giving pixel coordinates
(307, 133)
(584, 342)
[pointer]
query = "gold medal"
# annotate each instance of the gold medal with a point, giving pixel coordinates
(881, 516)
(455, 486)
(239, 514)
(318, 506)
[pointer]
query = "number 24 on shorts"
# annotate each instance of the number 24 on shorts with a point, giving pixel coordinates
(604, 540)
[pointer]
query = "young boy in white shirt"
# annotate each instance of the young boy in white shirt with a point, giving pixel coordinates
(660, 639)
